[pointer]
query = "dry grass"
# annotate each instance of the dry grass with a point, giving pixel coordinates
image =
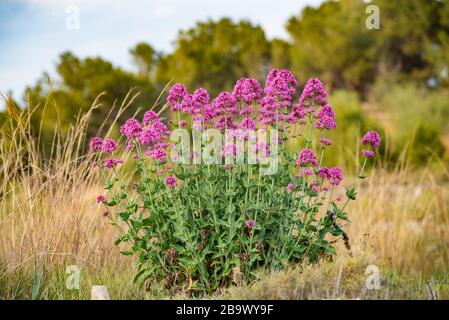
(400, 223)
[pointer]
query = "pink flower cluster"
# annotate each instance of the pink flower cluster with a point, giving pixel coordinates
(325, 118)
(280, 87)
(247, 90)
(110, 163)
(372, 139)
(306, 157)
(98, 144)
(334, 175)
(176, 96)
(313, 94)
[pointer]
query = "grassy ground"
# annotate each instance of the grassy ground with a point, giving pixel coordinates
(49, 220)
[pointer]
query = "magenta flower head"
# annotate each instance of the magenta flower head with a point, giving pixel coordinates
(109, 146)
(158, 154)
(225, 103)
(281, 84)
(335, 176)
(306, 172)
(131, 128)
(111, 163)
(248, 124)
(313, 93)
(149, 117)
(306, 157)
(247, 90)
(96, 144)
(200, 99)
(323, 173)
(176, 94)
(187, 103)
(101, 198)
(368, 154)
(170, 181)
(326, 118)
(250, 224)
(105, 213)
(326, 141)
(371, 138)
(290, 186)
(229, 150)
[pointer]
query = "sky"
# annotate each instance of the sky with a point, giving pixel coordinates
(34, 32)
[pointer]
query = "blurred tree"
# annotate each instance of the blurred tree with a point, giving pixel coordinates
(80, 81)
(145, 58)
(408, 34)
(332, 42)
(215, 54)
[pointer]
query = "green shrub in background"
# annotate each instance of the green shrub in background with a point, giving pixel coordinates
(417, 118)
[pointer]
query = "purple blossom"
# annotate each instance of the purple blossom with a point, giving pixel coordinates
(131, 128)
(109, 146)
(250, 224)
(300, 111)
(323, 173)
(225, 122)
(149, 117)
(210, 112)
(372, 138)
(170, 182)
(326, 141)
(306, 157)
(290, 186)
(246, 110)
(187, 103)
(247, 90)
(110, 163)
(229, 150)
(281, 84)
(101, 198)
(313, 93)
(225, 103)
(154, 133)
(335, 176)
(199, 100)
(177, 92)
(326, 118)
(96, 144)
(263, 148)
(368, 153)
(306, 172)
(158, 154)
(248, 123)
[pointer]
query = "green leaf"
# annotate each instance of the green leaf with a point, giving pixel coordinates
(124, 215)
